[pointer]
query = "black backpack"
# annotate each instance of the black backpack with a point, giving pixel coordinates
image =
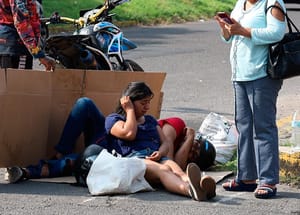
(84, 162)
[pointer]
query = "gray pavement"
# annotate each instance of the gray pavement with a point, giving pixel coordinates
(48, 198)
(197, 82)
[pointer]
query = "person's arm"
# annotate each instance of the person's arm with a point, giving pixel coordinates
(27, 23)
(164, 148)
(181, 156)
(165, 143)
(272, 33)
(224, 32)
(275, 30)
(277, 13)
(127, 129)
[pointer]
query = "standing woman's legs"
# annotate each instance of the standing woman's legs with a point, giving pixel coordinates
(244, 123)
(265, 130)
(84, 117)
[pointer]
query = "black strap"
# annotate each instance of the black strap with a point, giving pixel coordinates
(290, 23)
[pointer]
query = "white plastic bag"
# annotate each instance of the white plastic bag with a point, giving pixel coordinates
(295, 138)
(116, 175)
(222, 134)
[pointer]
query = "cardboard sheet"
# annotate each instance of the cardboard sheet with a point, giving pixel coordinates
(34, 106)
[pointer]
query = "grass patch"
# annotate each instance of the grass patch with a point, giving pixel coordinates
(228, 166)
(292, 181)
(145, 12)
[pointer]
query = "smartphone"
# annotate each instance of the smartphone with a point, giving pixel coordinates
(225, 17)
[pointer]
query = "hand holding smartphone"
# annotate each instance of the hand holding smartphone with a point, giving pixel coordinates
(225, 17)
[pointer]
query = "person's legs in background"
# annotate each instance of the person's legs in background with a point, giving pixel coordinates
(244, 124)
(44, 169)
(266, 135)
(16, 62)
(258, 155)
(85, 117)
(246, 162)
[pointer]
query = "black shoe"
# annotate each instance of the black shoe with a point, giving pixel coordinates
(15, 174)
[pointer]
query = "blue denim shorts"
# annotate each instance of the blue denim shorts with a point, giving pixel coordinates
(144, 153)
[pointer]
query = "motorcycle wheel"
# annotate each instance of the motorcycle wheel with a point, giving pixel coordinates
(132, 66)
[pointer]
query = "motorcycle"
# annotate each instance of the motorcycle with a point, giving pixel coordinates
(96, 44)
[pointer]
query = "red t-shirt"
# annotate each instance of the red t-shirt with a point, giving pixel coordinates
(179, 125)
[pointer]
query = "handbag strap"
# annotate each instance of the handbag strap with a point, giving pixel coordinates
(290, 23)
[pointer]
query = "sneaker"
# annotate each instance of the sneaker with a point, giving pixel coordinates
(194, 177)
(15, 174)
(5, 175)
(208, 185)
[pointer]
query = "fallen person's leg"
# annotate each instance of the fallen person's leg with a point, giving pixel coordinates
(44, 169)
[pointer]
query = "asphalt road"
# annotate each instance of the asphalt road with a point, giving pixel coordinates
(198, 72)
(197, 82)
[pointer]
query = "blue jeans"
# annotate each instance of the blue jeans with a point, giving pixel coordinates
(57, 168)
(84, 118)
(255, 118)
(144, 153)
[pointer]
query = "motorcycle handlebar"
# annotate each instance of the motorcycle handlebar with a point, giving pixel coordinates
(108, 5)
(56, 19)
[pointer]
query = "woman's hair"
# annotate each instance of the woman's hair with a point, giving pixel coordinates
(207, 154)
(135, 91)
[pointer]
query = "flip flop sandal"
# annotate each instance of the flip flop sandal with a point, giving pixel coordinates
(239, 186)
(208, 184)
(194, 176)
(270, 192)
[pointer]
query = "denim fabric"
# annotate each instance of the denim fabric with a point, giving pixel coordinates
(57, 168)
(255, 117)
(84, 118)
(144, 153)
(15, 61)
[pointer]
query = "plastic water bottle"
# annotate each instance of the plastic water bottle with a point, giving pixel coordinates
(295, 139)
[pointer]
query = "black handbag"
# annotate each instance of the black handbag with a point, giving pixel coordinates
(284, 56)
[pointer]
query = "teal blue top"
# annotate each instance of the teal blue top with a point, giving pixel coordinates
(248, 56)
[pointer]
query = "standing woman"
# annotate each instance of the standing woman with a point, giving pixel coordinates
(132, 133)
(250, 33)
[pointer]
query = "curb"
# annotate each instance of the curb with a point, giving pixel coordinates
(289, 159)
(289, 166)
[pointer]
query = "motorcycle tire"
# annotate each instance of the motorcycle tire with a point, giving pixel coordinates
(132, 66)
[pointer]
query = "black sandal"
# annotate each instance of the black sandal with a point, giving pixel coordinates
(239, 186)
(270, 192)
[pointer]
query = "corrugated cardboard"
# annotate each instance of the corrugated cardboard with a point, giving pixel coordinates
(34, 106)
